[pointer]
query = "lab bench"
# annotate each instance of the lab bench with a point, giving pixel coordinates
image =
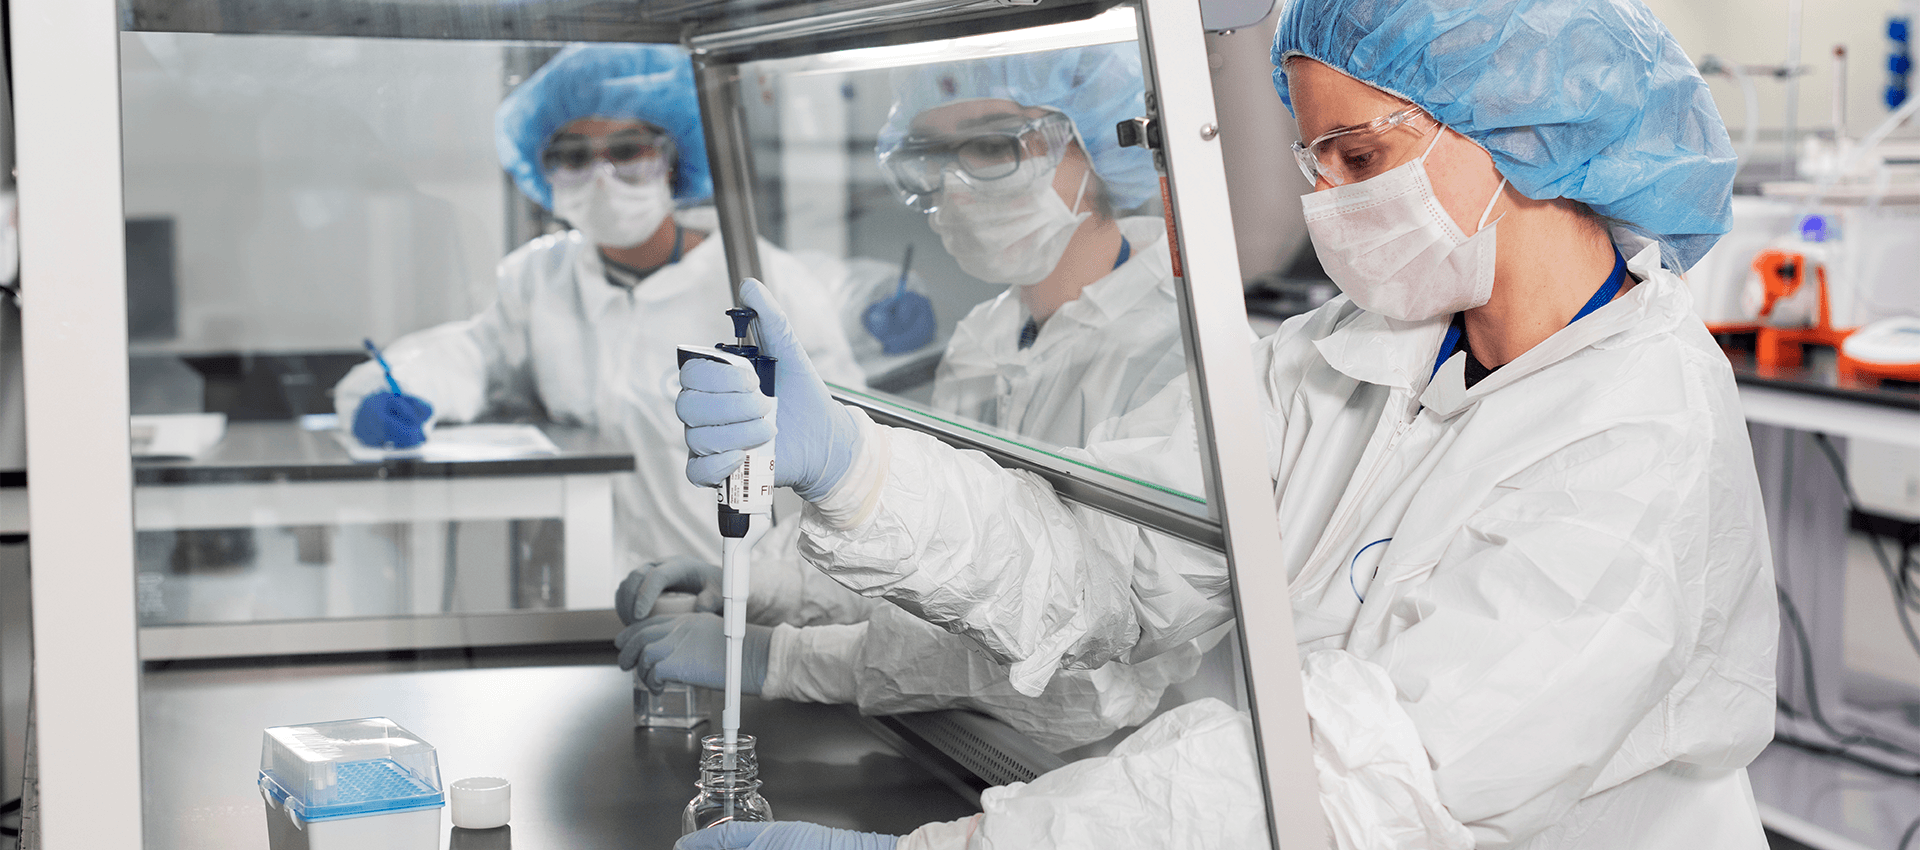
(1812, 398)
(557, 723)
(275, 474)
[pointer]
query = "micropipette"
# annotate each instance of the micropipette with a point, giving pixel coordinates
(748, 491)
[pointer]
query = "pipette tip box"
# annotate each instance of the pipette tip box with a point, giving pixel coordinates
(364, 784)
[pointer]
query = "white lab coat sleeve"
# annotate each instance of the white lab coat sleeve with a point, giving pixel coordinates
(813, 664)
(945, 835)
(787, 589)
(1580, 575)
(906, 664)
(1186, 781)
(896, 663)
(996, 556)
(458, 367)
(1375, 785)
(987, 552)
(812, 308)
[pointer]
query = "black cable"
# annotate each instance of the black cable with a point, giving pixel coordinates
(1805, 646)
(1821, 749)
(1907, 564)
(1802, 643)
(1904, 600)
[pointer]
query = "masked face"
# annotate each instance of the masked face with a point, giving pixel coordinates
(1392, 248)
(1013, 233)
(612, 212)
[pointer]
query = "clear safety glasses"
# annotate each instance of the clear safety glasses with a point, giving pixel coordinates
(1354, 153)
(917, 169)
(636, 156)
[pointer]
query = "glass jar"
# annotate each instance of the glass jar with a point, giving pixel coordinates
(726, 795)
(676, 706)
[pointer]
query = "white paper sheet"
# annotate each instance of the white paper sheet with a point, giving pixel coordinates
(451, 443)
(175, 435)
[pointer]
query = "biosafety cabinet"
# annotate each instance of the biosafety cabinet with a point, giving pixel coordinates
(221, 199)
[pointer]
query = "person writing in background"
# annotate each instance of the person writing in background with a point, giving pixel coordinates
(609, 138)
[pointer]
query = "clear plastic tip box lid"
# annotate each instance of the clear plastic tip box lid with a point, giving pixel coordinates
(348, 769)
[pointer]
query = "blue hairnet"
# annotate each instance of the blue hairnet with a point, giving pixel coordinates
(1097, 86)
(1591, 100)
(624, 82)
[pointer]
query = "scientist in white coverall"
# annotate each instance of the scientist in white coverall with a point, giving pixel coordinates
(998, 152)
(1519, 517)
(586, 320)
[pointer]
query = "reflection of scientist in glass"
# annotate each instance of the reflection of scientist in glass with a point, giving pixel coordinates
(1015, 160)
(609, 138)
(1088, 330)
(1519, 527)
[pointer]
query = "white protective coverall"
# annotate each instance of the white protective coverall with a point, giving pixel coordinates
(1534, 613)
(1098, 357)
(602, 356)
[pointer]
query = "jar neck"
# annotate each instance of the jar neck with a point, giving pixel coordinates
(715, 776)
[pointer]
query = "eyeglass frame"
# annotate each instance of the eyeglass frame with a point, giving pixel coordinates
(926, 199)
(1310, 164)
(636, 169)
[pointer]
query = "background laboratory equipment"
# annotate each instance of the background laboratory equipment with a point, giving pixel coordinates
(364, 784)
(1834, 443)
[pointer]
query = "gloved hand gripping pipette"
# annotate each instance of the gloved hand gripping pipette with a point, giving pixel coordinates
(745, 493)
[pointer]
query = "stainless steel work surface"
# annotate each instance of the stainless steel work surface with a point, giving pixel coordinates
(558, 725)
(283, 451)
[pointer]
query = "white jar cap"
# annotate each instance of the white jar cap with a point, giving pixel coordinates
(480, 802)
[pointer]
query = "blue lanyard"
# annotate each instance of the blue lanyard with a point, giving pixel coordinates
(1601, 297)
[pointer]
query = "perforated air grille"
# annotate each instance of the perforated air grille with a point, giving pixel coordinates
(960, 744)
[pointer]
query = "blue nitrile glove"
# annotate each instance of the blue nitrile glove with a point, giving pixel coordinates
(692, 649)
(784, 835)
(633, 601)
(902, 322)
(392, 420)
(726, 415)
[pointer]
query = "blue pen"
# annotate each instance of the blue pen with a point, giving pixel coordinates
(375, 351)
